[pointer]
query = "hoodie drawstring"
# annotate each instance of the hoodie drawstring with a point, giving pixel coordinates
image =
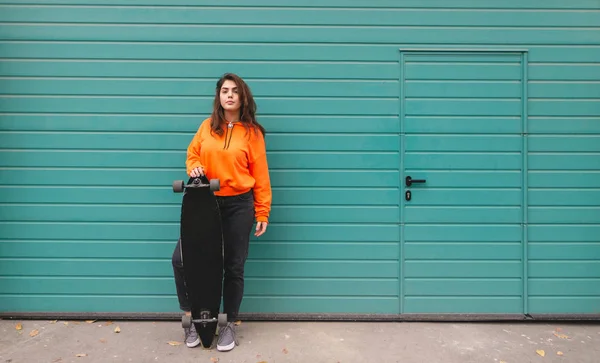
(230, 134)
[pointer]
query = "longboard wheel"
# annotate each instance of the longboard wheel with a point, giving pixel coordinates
(178, 186)
(186, 321)
(222, 320)
(215, 185)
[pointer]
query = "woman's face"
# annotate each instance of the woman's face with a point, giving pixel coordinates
(230, 100)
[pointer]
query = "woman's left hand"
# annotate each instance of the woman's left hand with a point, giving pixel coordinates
(261, 227)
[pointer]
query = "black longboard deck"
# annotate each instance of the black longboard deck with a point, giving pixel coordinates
(202, 254)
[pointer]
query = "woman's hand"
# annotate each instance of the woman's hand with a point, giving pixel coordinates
(197, 172)
(261, 227)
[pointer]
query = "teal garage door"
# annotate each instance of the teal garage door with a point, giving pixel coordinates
(462, 247)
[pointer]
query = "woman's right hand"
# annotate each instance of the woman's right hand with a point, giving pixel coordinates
(197, 172)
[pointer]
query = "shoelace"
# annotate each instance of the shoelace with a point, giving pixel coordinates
(227, 332)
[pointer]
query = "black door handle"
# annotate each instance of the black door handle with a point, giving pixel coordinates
(410, 181)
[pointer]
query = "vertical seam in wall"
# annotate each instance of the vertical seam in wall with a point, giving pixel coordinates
(525, 183)
(401, 185)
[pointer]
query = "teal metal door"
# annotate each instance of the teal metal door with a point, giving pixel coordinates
(462, 239)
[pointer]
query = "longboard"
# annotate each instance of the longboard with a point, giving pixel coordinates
(202, 254)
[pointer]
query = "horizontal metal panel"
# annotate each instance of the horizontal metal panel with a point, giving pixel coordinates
(450, 161)
(464, 305)
(385, 4)
(561, 197)
(462, 125)
(193, 105)
(148, 232)
(152, 304)
(564, 72)
(164, 194)
(564, 251)
(85, 304)
(190, 123)
(157, 268)
(549, 107)
(564, 143)
(462, 233)
(564, 215)
(462, 251)
(298, 16)
(572, 287)
(563, 90)
(462, 107)
(266, 51)
(564, 233)
(466, 179)
(321, 304)
(165, 286)
(150, 177)
(561, 180)
(463, 269)
(172, 213)
(459, 196)
(463, 214)
(457, 143)
(198, 69)
(564, 125)
(564, 162)
(196, 87)
(150, 159)
(464, 71)
(564, 269)
(436, 88)
(286, 33)
(414, 288)
(564, 304)
(164, 250)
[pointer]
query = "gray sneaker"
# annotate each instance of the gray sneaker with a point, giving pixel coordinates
(191, 337)
(227, 339)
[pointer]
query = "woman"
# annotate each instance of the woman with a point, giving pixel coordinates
(230, 146)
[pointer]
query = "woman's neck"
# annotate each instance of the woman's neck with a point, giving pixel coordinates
(232, 116)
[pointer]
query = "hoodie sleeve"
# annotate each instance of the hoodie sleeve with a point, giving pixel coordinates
(259, 170)
(193, 151)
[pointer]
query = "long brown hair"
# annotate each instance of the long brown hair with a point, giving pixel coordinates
(247, 108)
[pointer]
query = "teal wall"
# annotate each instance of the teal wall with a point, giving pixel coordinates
(98, 104)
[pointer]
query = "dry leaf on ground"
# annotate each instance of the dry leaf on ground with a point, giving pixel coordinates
(19, 326)
(81, 355)
(173, 343)
(560, 353)
(541, 353)
(102, 340)
(562, 336)
(214, 360)
(239, 322)
(108, 323)
(54, 322)
(117, 329)
(90, 321)
(34, 333)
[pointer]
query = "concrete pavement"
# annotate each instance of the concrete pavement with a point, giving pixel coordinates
(311, 342)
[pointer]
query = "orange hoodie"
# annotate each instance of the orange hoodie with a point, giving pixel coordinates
(238, 158)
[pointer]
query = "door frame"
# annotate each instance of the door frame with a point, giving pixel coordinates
(460, 50)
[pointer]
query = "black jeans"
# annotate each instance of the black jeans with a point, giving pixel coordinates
(237, 215)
